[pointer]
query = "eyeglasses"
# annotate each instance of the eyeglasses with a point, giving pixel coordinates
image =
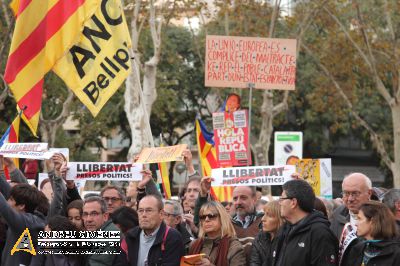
(354, 194)
(282, 198)
(170, 214)
(113, 199)
(92, 214)
(141, 211)
(210, 216)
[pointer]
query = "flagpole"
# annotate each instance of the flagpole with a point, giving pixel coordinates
(251, 86)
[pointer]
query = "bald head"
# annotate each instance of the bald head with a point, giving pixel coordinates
(356, 188)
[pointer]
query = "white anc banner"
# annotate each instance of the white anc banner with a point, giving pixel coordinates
(37, 151)
(252, 176)
(104, 171)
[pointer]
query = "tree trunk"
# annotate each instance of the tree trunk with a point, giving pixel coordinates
(138, 104)
(396, 142)
(48, 131)
(264, 140)
(135, 113)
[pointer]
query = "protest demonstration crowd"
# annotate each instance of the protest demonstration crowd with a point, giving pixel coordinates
(225, 213)
(298, 228)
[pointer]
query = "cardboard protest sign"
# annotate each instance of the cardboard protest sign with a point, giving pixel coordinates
(36, 151)
(231, 137)
(162, 154)
(104, 171)
(288, 147)
(318, 173)
(237, 61)
(252, 176)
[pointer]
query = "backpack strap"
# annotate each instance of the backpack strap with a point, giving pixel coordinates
(165, 238)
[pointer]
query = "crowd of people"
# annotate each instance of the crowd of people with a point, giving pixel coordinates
(361, 228)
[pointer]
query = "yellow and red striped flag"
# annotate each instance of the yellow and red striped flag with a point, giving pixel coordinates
(208, 160)
(163, 168)
(44, 30)
(11, 136)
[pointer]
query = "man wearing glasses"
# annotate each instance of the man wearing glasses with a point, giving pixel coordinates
(306, 238)
(114, 197)
(356, 190)
(95, 217)
(152, 242)
(173, 213)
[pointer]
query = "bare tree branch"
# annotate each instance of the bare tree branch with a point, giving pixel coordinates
(6, 14)
(380, 86)
(274, 17)
(378, 81)
(375, 138)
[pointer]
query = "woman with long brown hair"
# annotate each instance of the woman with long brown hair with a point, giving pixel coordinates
(378, 242)
(217, 238)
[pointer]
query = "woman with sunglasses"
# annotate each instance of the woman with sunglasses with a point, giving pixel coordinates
(263, 247)
(217, 238)
(378, 242)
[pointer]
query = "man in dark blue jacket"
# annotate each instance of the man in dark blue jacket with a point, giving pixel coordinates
(306, 238)
(152, 242)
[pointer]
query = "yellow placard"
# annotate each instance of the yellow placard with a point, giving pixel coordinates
(309, 170)
(96, 66)
(162, 154)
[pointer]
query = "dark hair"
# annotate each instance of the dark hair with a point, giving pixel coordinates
(226, 203)
(119, 190)
(103, 204)
(125, 217)
(27, 195)
(383, 222)
(76, 204)
(302, 192)
(60, 223)
(233, 95)
(43, 204)
(44, 182)
(319, 205)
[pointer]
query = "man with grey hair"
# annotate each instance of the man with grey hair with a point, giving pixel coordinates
(173, 217)
(356, 190)
(392, 200)
(95, 217)
(113, 196)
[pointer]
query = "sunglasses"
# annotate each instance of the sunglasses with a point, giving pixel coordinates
(210, 216)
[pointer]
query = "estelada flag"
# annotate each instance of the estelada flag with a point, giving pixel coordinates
(44, 30)
(208, 160)
(11, 136)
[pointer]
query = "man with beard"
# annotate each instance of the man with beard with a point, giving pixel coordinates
(246, 220)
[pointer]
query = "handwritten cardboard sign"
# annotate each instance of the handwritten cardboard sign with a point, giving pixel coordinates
(252, 176)
(162, 154)
(36, 151)
(104, 171)
(231, 134)
(237, 61)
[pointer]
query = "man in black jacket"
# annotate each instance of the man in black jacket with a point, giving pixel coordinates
(306, 238)
(356, 190)
(152, 242)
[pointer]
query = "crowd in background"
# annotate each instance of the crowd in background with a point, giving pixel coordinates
(361, 228)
